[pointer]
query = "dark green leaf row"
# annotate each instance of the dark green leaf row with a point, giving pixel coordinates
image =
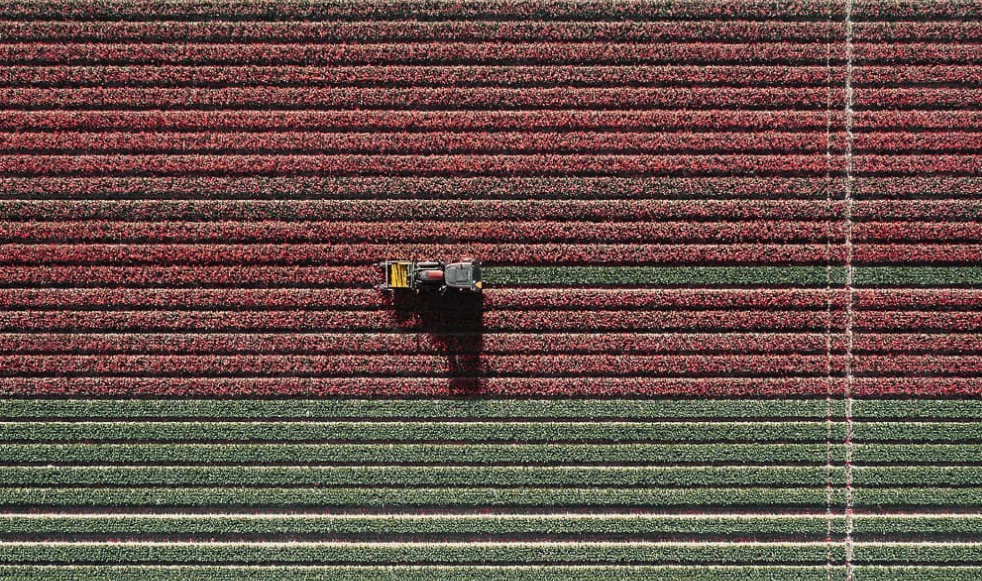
(623, 476)
(448, 498)
(448, 553)
(425, 431)
(735, 275)
(489, 553)
(681, 275)
(421, 524)
(461, 453)
(627, 409)
(797, 431)
(814, 497)
(486, 453)
(889, 525)
(423, 573)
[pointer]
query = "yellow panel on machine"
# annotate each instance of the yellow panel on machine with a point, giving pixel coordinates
(398, 275)
(431, 275)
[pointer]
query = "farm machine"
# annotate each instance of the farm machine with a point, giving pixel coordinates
(431, 276)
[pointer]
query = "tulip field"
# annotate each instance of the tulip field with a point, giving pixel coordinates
(731, 326)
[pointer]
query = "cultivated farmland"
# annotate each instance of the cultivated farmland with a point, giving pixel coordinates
(731, 327)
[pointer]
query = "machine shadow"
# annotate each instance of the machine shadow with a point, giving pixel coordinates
(452, 324)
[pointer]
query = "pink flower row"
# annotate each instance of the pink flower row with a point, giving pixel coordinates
(492, 343)
(504, 253)
(421, 188)
(423, 231)
(483, 365)
(621, 299)
(412, 143)
(405, 98)
(722, 387)
(441, 322)
(525, 120)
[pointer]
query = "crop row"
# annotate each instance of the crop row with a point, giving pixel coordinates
(468, 573)
(485, 210)
(409, 476)
(525, 231)
(484, 30)
(636, 524)
(287, 98)
(443, 76)
(421, 121)
(521, 231)
(428, 188)
(498, 431)
(430, 97)
(550, 365)
(493, 299)
(545, 431)
(463, 53)
(485, 498)
(456, 143)
(566, 524)
(525, 120)
(280, 142)
(503, 165)
(493, 343)
(631, 387)
(305, 254)
(486, 553)
(769, 453)
(488, 409)
(507, 253)
(878, 192)
(371, 31)
(513, 321)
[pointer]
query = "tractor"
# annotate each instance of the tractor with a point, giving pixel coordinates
(431, 276)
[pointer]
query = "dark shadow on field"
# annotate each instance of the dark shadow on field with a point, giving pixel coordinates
(454, 325)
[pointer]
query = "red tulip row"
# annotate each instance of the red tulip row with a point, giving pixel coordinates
(509, 320)
(419, 189)
(899, 76)
(522, 76)
(721, 164)
(917, 97)
(425, 231)
(891, 344)
(953, 119)
(722, 387)
(187, 276)
(241, 387)
(478, 365)
(451, 31)
(492, 343)
(954, 210)
(513, 165)
(487, 142)
(898, 300)
(917, 231)
(970, 254)
(443, 53)
(507, 253)
(408, 98)
(377, 320)
(914, 321)
(412, 143)
(920, 141)
(493, 299)
(910, 387)
(918, 299)
(392, 120)
(560, 10)
(912, 365)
